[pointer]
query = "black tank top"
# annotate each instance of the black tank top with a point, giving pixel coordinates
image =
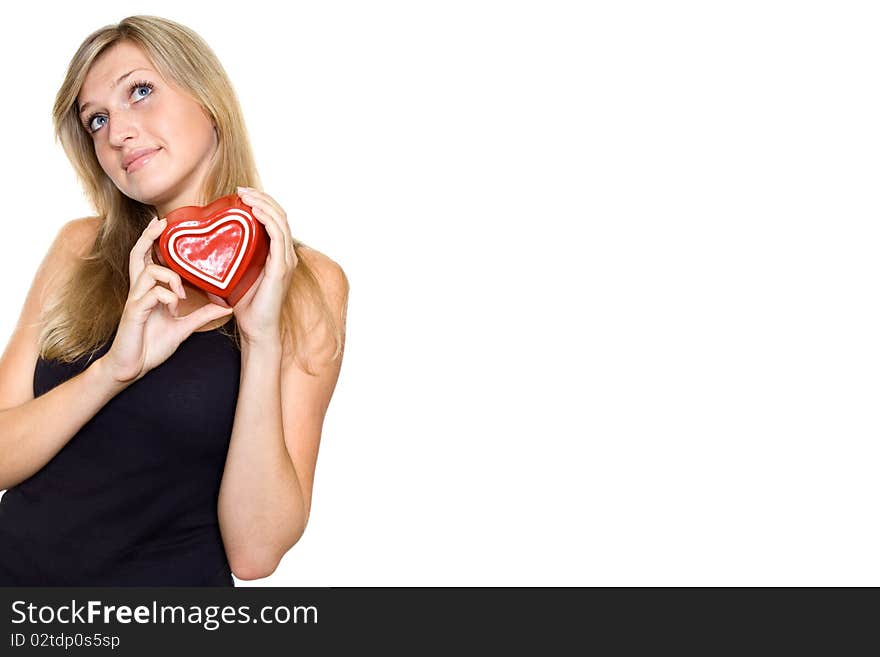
(131, 499)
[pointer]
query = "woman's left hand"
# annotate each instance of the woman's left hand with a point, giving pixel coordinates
(258, 312)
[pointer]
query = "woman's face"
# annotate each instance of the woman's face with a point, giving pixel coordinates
(122, 118)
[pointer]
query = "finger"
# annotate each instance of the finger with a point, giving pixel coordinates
(277, 246)
(151, 275)
(270, 204)
(156, 295)
(201, 316)
(136, 262)
(148, 258)
(135, 271)
(255, 194)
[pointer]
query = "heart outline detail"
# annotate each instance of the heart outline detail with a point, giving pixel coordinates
(231, 215)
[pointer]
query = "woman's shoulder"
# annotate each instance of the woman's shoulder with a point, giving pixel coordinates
(72, 242)
(328, 271)
(330, 277)
(332, 285)
(315, 258)
(79, 234)
(84, 224)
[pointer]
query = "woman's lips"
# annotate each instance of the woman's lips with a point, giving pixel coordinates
(141, 161)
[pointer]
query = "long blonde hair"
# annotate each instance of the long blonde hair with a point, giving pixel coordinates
(99, 282)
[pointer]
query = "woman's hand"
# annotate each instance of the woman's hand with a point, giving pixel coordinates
(149, 330)
(258, 312)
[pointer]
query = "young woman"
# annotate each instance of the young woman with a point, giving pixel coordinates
(150, 435)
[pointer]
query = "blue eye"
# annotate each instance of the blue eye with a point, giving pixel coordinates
(87, 124)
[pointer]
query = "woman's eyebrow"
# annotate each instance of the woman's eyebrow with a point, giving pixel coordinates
(116, 84)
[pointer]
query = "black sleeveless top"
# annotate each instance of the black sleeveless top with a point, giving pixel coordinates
(131, 499)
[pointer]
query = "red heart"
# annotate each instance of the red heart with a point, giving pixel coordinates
(219, 248)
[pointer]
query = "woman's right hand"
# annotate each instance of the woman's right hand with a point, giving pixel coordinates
(149, 330)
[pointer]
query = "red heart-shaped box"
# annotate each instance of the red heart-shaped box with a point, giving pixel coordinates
(219, 248)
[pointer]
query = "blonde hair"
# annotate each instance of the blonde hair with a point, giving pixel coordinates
(183, 57)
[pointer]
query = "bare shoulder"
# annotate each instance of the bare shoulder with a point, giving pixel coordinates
(78, 235)
(323, 265)
(19, 357)
(331, 277)
(72, 241)
(333, 284)
(85, 225)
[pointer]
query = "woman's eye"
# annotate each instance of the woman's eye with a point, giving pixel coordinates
(141, 86)
(134, 88)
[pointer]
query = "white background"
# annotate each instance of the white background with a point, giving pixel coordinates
(613, 316)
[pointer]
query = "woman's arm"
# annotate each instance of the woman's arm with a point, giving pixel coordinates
(260, 507)
(34, 432)
(266, 489)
